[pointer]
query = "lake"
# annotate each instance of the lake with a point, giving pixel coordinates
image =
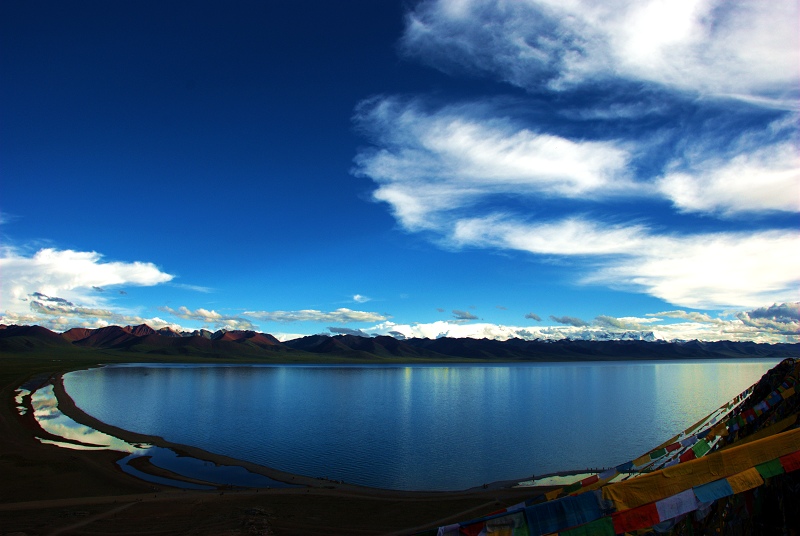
(416, 427)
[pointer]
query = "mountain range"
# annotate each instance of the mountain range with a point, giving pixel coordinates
(143, 339)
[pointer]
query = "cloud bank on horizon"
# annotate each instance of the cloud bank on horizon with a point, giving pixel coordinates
(650, 147)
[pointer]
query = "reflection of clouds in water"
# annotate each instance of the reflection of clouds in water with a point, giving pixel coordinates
(72, 446)
(21, 393)
(50, 418)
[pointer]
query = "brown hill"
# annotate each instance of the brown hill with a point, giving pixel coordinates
(26, 338)
(168, 332)
(142, 330)
(77, 334)
(107, 337)
(251, 337)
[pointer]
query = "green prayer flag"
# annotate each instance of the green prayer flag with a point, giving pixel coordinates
(602, 527)
(701, 448)
(573, 487)
(770, 469)
(656, 454)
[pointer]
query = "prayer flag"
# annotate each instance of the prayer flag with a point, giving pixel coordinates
(563, 513)
(770, 469)
(658, 454)
(449, 530)
(713, 491)
(682, 503)
(791, 462)
(550, 495)
(473, 529)
(627, 466)
(508, 525)
(701, 448)
(607, 474)
(602, 527)
(640, 517)
(688, 455)
(745, 480)
(787, 393)
(589, 481)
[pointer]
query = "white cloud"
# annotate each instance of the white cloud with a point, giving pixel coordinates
(743, 326)
(783, 318)
(694, 316)
(342, 315)
(69, 275)
(60, 289)
(450, 159)
(745, 49)
(212, 318)
(712, 270)
(435, 170)
(358, 298)
(62, 320)
(764, 180)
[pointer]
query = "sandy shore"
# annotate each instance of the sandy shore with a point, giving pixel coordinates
(51, 490)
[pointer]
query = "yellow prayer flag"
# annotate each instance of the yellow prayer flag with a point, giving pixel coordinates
(652, 487)
(642, 460)
(553, 494)
(745, 480)
(787, 393)
(720, 429)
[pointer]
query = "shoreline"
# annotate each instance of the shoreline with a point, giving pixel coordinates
(68, 407)
(48, 489)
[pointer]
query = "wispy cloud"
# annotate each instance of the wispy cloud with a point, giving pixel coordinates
(432, 187)
(569, 321)
(533, 316)
(212, 318)
(195, 288)
(767, 179)
(683, 114)
(463, 315)
(433, 163)
(747, 49)
(60, 314)
(358, 298)
(339, 316)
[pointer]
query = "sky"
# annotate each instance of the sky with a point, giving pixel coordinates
(479, 168)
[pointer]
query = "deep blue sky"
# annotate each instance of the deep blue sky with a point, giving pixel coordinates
(418, 168)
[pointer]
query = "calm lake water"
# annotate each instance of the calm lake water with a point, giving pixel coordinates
(418, 427)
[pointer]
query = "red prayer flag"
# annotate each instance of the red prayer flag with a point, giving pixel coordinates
(673, 447)
(791, 462)
(640, 517)
(589, 481)
(472, 530)
(688, 455)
